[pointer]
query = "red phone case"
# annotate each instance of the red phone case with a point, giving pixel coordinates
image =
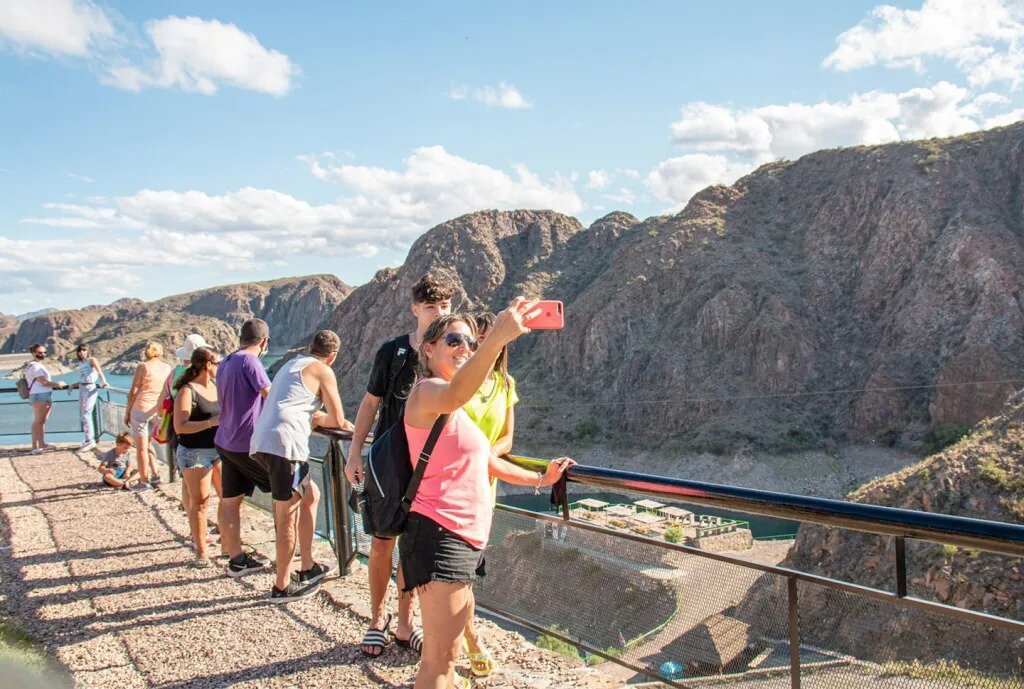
(551, 317)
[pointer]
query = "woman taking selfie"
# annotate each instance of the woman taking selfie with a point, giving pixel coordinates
(442, 547)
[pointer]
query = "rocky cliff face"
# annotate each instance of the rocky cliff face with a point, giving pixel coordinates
(864, 293)
(118, 333)
(980, 477)
(492, 255)
(8, 327)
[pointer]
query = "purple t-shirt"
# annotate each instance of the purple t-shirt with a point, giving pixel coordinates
(240, 377)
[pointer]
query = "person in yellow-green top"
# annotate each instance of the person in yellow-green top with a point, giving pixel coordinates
(492, 409)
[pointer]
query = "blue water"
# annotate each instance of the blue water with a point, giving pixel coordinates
(63, 426)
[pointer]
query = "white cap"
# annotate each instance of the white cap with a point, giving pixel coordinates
(192, 343)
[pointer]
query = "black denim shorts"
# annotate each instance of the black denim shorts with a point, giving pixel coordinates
(429, 552)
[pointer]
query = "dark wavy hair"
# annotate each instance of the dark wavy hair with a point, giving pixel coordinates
(200, 358)
(431, 289)
(435, 331)
(485, 321)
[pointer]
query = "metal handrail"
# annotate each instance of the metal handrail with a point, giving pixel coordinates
(991, 536)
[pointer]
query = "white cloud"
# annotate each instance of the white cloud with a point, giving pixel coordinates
(436, 185)
(201, 55)
(791, 130)
(81, 178)
(677, 179)
(597, 179)
(983, 38)
(624, 196)
(55, 27)
(504, 96)
(250, 228)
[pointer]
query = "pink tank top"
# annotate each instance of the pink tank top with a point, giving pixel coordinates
(455, 491)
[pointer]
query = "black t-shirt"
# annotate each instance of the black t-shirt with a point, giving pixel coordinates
(392, 378)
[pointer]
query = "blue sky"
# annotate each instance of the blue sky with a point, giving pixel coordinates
(153, 148)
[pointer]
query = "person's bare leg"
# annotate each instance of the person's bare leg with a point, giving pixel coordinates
(406, 607)
(198, 481)
(446, 608)
(284, 510)
(307, 523)
(379, 567)
(39, 414)
(229, 523)
(142, 456)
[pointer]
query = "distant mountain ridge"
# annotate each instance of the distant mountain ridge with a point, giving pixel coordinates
(117, 333)
(892, 273)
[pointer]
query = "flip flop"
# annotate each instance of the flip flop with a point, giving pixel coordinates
(414, 642)
(461, 682)
(376, 639)
(482, 663)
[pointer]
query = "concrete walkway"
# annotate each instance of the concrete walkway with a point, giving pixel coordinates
(102, 578)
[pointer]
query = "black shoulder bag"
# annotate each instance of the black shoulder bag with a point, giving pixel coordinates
(390, 484)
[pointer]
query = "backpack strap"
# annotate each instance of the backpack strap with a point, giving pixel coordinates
(421, 465)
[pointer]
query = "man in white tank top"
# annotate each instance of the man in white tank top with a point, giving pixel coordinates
(280, 442)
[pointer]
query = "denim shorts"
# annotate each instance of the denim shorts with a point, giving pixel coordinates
(196, 457)
(429, 552)
(40, 397)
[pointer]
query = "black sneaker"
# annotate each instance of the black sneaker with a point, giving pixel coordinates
(314, 574)
(244, 564)
(293, 592)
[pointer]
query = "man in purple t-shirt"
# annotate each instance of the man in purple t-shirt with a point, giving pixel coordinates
(242, 385)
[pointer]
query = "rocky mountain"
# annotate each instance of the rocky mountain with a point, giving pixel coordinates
(492, 256)
(8, 326)
(293, 307)
(981, 477)
(863, 293)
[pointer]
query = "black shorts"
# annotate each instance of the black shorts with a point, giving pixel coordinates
(241, 474)
(286, 477)
(429, 552)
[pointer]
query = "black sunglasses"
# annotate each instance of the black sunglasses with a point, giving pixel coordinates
(455, 339)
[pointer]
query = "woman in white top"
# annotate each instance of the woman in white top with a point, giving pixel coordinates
(280, 442)
(90, 380)
(40, 390)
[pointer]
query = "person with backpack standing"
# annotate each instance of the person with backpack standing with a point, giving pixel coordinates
(392, 377)
(90, 380)
(40, 393)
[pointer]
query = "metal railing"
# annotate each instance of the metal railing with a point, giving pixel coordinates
(789, 634)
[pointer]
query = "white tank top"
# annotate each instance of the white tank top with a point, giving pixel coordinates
(284, 425)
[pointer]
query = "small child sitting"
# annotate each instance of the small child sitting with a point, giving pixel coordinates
(116, 465)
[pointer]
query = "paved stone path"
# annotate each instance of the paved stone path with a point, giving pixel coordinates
(102, 578)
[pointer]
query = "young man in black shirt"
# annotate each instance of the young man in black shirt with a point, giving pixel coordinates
(392, 378)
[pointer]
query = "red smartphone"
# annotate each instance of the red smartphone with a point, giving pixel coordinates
(551, 317)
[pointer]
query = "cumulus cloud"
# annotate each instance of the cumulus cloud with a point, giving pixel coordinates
(200, 55)
(677, 179)
(597, 179)
(56, 27)
(436, 185)
(504, 96)
(250, 228)
(983, 38)
(791, 130)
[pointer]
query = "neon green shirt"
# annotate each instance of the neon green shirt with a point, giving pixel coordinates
(488, 409)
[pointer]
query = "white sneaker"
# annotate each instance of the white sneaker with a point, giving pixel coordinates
(86, 446)
(141, 486)
(36, 451)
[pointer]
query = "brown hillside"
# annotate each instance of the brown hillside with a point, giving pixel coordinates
(982, 476)
(882, 271)
(293, 308)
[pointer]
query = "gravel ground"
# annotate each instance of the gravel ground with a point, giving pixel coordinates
(102, 578)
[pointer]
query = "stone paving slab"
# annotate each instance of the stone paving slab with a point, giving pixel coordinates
(102, 578)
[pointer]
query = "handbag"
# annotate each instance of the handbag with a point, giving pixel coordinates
(390, 482)
(163, 429)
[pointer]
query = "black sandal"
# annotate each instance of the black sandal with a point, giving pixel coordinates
(377, 639)
(414, 642)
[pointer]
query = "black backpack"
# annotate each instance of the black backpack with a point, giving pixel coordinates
(390, 483)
